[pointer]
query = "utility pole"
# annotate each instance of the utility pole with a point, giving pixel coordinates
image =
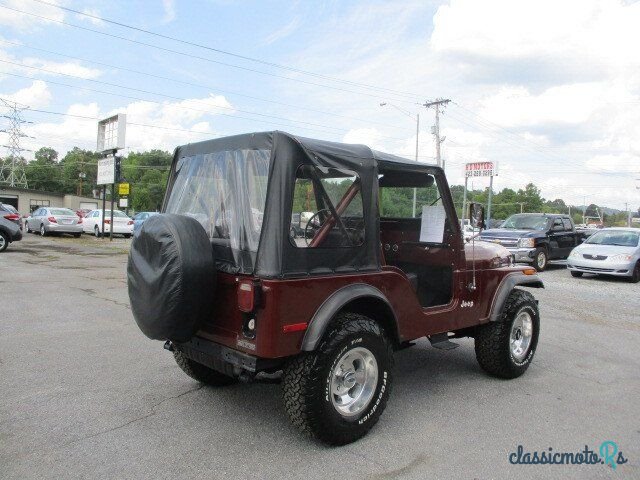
(417, 118)
(13, 172)
(435, 130)
(626, 209)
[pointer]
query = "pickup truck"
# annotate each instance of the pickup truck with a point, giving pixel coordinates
(536, 238)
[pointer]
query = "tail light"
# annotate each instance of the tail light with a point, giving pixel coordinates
(79, 220)
(130, 222)
(107, 221)
(52, 219)
(246, 296)
(12, 216)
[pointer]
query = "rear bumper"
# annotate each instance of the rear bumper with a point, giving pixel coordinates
(121, 230)
(57, 227)
(16, 236)
(223, 359)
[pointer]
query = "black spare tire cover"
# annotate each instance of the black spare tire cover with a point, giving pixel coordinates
(171, 275)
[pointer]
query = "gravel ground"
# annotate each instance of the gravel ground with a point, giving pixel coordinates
(86, 395)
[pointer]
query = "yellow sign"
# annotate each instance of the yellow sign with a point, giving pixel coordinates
(123, 189)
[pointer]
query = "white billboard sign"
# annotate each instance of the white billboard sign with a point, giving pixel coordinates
(106, 171)
(481, 169)
(111, 132)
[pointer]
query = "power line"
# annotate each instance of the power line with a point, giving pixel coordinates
(180, 99)
(225, 52)
(177, 52)
(205, 87)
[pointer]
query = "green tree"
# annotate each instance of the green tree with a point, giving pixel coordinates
(44, 172)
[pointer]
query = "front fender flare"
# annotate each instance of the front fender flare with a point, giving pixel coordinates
(506, 286)
(332, 305)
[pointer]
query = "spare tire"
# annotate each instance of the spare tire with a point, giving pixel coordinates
(171, 275)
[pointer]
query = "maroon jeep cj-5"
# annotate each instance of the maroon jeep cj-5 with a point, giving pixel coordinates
(276, 253)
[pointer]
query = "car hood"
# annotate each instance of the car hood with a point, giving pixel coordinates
(608, 250)
(507, 233)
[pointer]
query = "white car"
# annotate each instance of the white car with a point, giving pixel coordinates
(122, 224)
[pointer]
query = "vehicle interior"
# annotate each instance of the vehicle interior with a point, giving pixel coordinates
(415, 236)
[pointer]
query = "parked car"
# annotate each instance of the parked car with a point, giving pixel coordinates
(139, 218)
(82, 212)
(610, 251)
(122, 224)
(9, 233)
(537, 238)
(10, 213)
(329, 310)
(46, 220)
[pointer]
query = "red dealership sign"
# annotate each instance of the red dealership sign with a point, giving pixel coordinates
(481, 169)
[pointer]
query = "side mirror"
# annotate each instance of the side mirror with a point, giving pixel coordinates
(476, 215)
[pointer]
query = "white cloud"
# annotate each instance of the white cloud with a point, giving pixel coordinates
(149, 125)
(23, 22)
(90, 15)
(283, 32)
(169, 9)
(59, 68)
(37, 95)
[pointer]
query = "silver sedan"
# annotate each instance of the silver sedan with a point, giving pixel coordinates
(47, 220)
(611, 251)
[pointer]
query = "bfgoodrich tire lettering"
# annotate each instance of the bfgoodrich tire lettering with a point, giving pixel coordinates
(493, 341)
(307, 381)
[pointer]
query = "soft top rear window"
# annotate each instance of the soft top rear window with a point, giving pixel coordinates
(226, 192)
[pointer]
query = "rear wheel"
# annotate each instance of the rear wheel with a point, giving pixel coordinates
(4, 241)
(96, 231)
(201, 373)
(505, 348)
(338, 392)
(575, 274)
(43, 232)
(540, 259)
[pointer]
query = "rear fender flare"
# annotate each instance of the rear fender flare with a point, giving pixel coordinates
(505, 288)
(333, 305)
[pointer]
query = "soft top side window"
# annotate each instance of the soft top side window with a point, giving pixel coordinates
(327, 209)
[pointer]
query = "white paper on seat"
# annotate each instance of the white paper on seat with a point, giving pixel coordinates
(432, 226)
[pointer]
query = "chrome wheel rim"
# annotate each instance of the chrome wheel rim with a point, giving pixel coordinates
(542, 260)
(2, 242)
(42, 230)
(353, 381)
(521, 335)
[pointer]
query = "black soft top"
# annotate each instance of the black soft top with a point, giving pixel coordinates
(276, 256)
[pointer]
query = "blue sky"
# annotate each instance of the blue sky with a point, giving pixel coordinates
(549, 89)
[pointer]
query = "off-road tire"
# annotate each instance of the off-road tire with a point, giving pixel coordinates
(4, 241)
(575, 274)
(492, 345)
(541, 252)
(202, 373)
(307, 379)
(635, 276)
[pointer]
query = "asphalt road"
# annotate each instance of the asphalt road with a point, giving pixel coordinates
(83, 394)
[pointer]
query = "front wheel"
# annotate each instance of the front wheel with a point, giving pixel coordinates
(635, 276)
(338, 392)
(43, 232)
(540, 259)
(505, 348)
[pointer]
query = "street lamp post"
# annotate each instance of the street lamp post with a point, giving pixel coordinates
(417, 119)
